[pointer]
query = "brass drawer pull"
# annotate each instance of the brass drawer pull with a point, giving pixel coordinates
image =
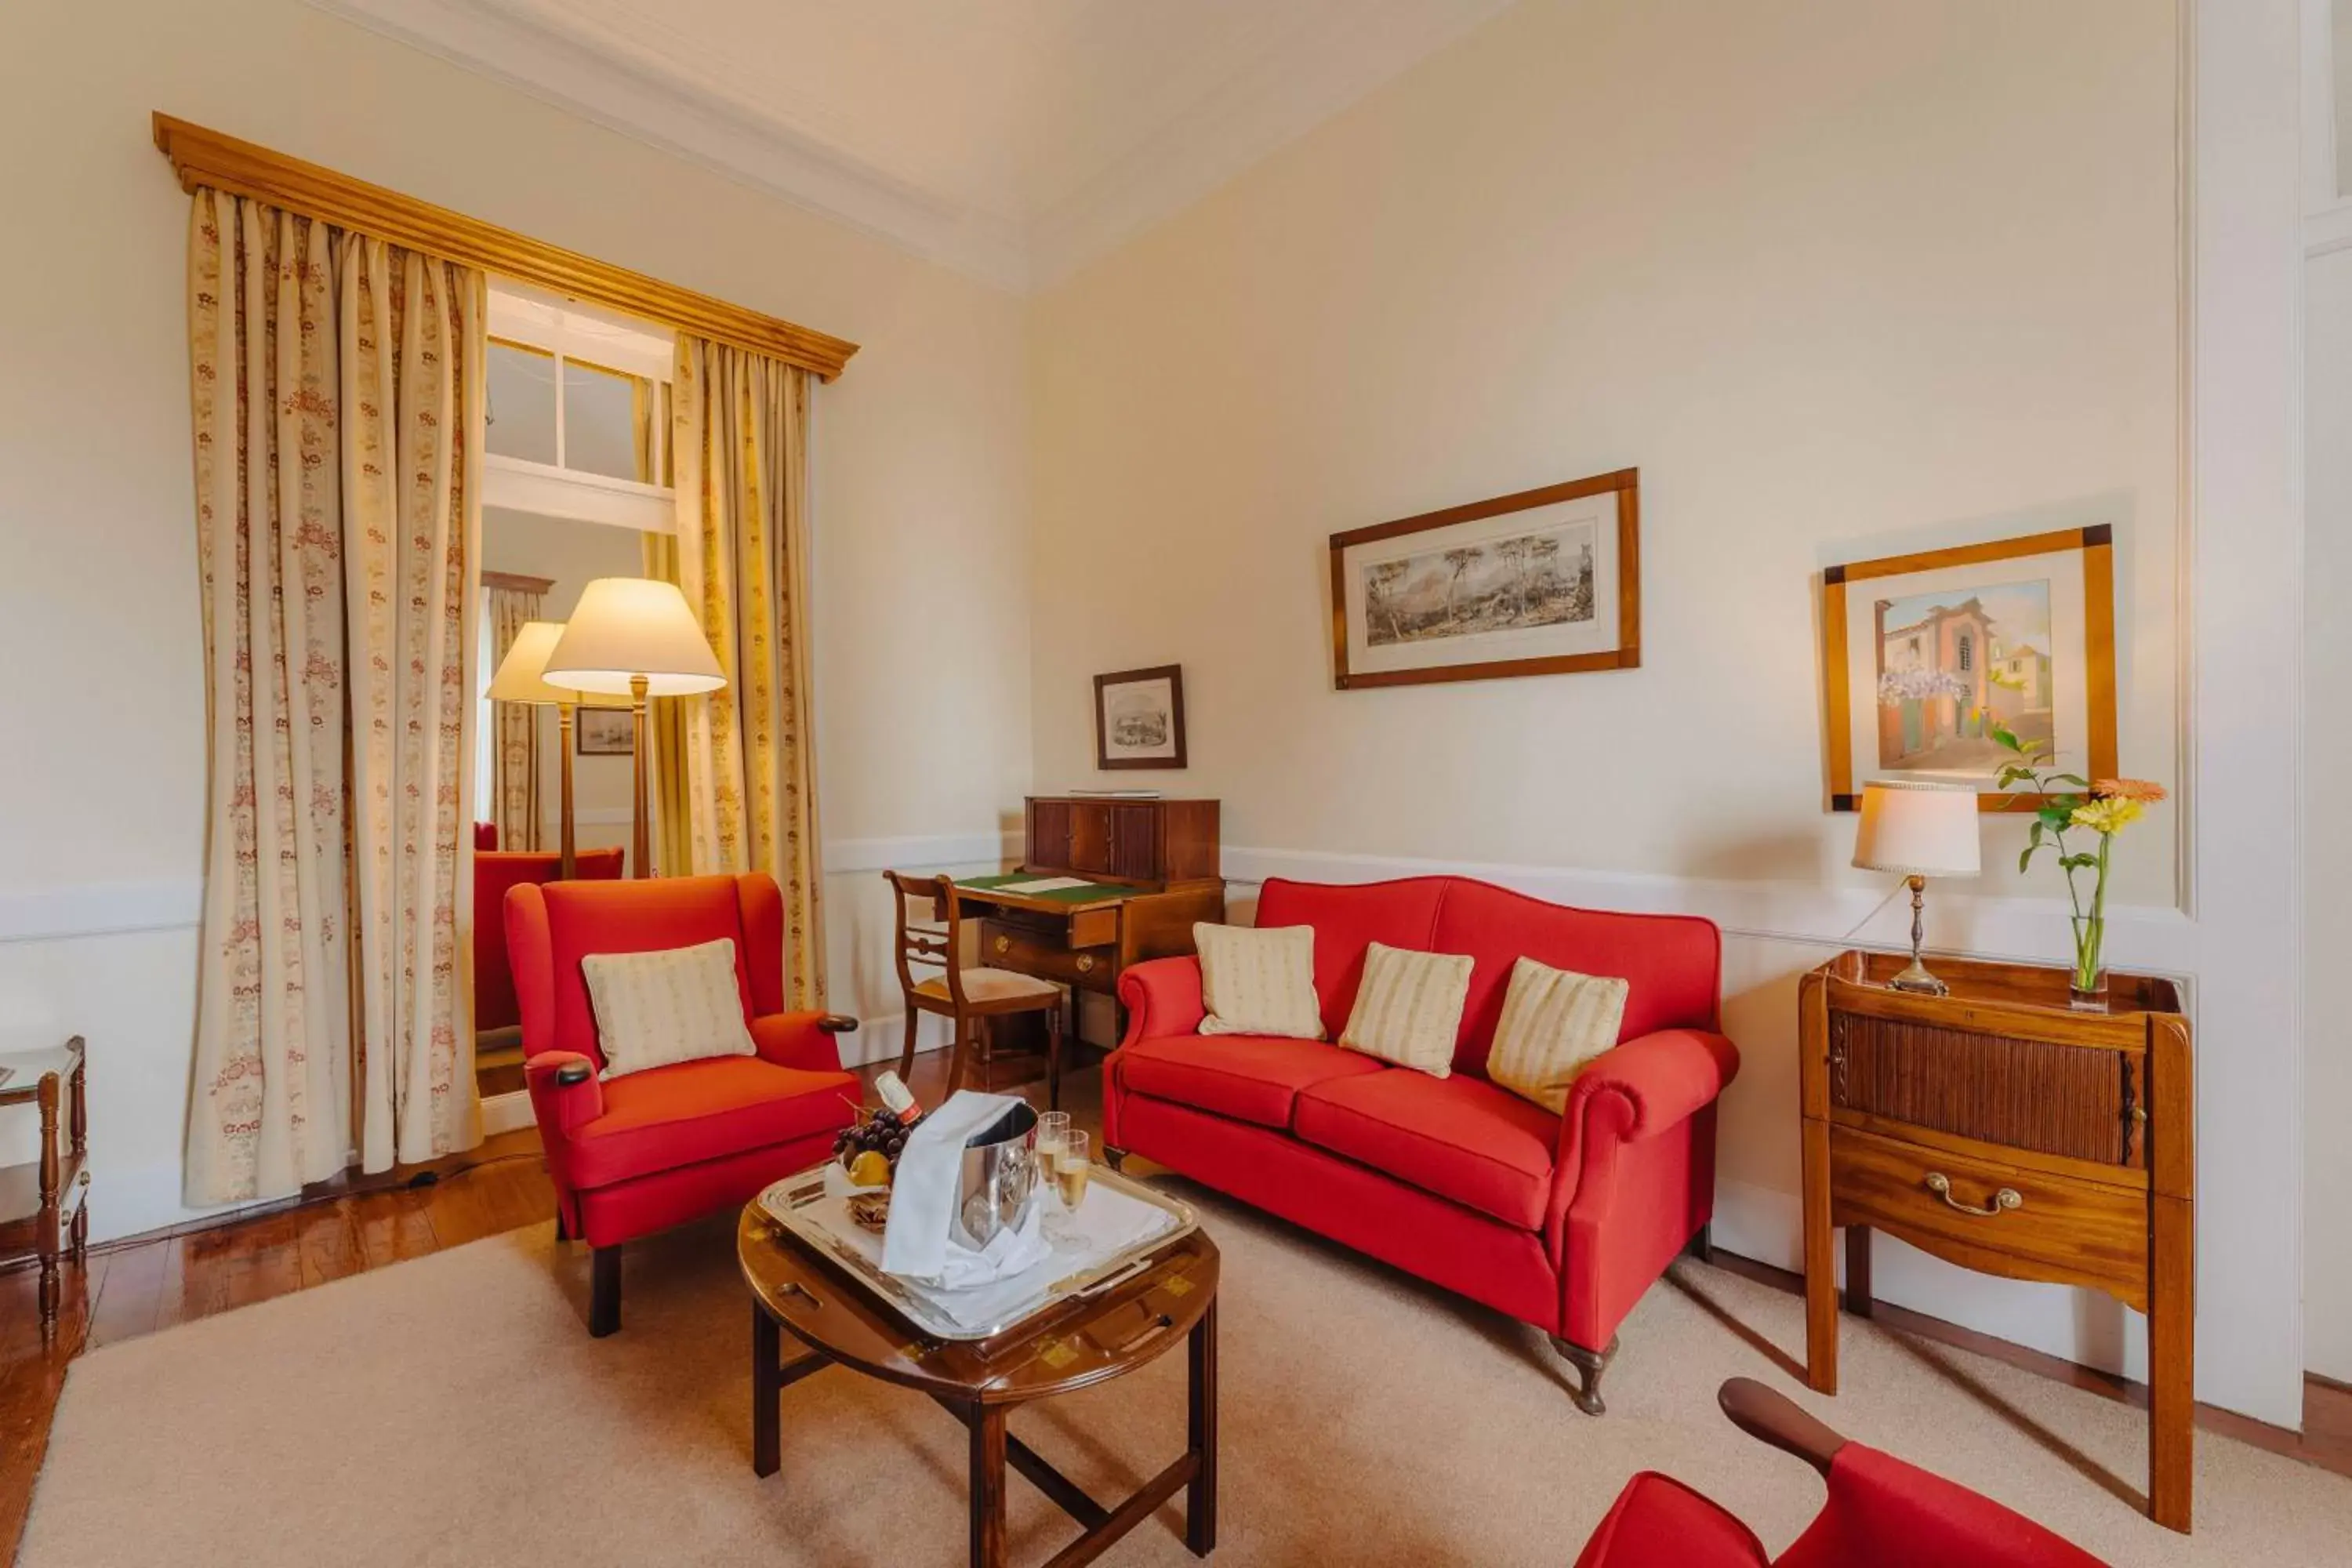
(1086, 963)
(1005, 944)
(2007, 1198)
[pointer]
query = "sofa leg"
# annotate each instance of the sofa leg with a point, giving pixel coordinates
(1588, 1366)
(1702, 1244)
(562, 1231)
(1115, 1158)
(603, 1291)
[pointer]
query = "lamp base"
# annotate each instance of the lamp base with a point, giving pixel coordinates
(1916, 978)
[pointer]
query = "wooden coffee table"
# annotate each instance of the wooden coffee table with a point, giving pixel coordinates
(1075, 1345)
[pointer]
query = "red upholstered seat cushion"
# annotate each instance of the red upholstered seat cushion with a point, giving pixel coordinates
(667, 1117)
(1459, 1137)
(1252, 1078)
(1658, 1522)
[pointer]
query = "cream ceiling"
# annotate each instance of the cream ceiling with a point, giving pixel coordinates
(1013, 138)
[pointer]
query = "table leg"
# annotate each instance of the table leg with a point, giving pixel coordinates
(1201, 1491)
(767, 1394)
(987, 1423)
(2172, 1367)
(1857, 1270)
(1820, 1264)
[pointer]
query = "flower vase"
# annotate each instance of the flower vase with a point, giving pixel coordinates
(2086, 983)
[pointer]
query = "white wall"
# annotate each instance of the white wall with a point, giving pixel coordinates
(1842, 279)
(919, 491)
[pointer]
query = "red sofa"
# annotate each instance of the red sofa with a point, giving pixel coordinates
(1562, 1221)
(653, 1149)
(495, 871)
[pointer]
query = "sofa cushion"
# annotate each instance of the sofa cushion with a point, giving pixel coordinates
(1459, 1137)
(1670, 962)
(1258, 980)
(1253, 1078)
(671, 1116)
(1347, 919)
(1409, 1008)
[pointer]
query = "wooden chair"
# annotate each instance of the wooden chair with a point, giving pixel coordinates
(967, 998)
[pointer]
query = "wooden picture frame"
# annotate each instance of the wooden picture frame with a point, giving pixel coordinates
(1586, 618)
(1949, 639)
(1147, 731)
(602, 731)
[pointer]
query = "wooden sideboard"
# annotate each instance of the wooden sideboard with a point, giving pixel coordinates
(2003, 1131)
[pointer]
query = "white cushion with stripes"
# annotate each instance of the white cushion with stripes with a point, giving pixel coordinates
(1554, 1023)
(675, 1005)
(1410, 1008)
(1258, 980)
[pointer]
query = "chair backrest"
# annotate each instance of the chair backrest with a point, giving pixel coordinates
(550, 928)
(934, 947)
(486, 835)
(495, 871)
(1882, 1511)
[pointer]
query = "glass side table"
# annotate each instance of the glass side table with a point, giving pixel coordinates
(42, 1212)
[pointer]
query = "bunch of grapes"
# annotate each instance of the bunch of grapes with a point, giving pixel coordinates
(874, 1131)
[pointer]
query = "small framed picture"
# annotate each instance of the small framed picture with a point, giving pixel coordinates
(1544, 582)
(604, 731)
(1139, 718)
(1928, 658)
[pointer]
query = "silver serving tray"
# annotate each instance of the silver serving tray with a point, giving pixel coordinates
(798, 1205)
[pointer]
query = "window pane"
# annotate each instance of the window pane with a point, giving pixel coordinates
(522, 403)
(600, 420)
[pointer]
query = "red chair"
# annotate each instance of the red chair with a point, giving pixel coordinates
(486, 835)
(494, 872)
(1881, 1512)
(653, 1149)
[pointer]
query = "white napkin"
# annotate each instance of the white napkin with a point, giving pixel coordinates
(1008, 1253)
(915, 1244)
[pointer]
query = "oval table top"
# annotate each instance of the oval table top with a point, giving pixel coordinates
(1069, 1346)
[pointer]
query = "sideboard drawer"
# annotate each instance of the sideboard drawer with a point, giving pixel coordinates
(2076, 1232)
(1006, 946)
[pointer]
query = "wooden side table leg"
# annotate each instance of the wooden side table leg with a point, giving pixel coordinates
(52, 1187)
(767, 1394)
(2172, 1366)
(1201, 1491)
(1820, 1264)
(987, 1424)
(1857, 1270)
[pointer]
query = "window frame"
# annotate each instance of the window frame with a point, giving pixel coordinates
(564, 333)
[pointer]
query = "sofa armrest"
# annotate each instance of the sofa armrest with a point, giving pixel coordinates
(564, 1093)
(1647, 1085)
(803, 1040)
(1163, 997)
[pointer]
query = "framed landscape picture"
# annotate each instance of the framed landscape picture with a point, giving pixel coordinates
(1927, 658)
(1139, 718)
(604, 731)
(1546, 581)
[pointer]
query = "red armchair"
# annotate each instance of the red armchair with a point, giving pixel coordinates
(1562, 1221)
(495, 871)
(1880, 1511)
(653, 1149)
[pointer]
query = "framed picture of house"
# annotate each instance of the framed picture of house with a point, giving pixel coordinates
(1139, 718)
(604, 731)
(1925, 656)
(1544, 582)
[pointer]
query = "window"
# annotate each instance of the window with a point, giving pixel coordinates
(579, 414)
(1967, 652)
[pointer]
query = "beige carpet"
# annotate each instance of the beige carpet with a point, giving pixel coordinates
(453, 1410)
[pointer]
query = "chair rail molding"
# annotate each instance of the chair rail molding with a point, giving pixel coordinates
(99, 909)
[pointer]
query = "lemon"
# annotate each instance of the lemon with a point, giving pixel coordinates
(870, 1169)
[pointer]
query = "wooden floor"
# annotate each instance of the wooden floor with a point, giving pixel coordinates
(151, 1283)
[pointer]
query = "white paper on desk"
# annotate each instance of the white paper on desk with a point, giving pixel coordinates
(1041, 884)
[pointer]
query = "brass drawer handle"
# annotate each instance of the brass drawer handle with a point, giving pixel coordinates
(1086, 963)
(1005, 944)
(2007, 1198)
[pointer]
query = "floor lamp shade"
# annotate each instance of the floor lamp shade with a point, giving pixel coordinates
(521, 676)
(631, 629)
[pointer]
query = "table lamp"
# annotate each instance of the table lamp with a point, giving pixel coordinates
(635, 635)
(1918, 831)
(522, 678)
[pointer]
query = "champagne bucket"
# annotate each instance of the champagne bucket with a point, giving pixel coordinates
(998, 1180)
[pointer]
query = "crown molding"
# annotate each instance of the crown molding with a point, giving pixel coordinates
(1276, 96)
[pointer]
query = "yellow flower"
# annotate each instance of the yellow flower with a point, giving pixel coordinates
(2110, 814)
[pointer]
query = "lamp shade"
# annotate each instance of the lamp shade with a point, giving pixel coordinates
(522, 675)
(625, 628)
(1918, 830)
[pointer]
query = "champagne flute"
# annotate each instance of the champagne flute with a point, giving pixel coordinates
(1069, 1170)
(1052, 1132)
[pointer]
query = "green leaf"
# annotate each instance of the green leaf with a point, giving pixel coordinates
(2056, 815)
(2079, 862)
(2004, 737)
(2013, 774)
(2077, 780)
(2025, 857)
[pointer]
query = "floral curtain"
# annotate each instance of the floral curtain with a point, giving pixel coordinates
(336, 385)
(739, 455)
(514, 757)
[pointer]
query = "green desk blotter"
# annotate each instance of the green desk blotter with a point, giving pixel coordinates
(1092, 893)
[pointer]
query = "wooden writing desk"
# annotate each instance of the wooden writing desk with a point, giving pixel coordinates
(1150, 870)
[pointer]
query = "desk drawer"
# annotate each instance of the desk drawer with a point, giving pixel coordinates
(1004, 945)
(2076, 1233)
(1080, 928)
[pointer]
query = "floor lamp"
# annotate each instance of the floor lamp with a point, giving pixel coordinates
(522, 678)
(637, 636)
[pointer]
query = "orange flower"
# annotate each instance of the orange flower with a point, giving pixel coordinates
(2141, 790)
